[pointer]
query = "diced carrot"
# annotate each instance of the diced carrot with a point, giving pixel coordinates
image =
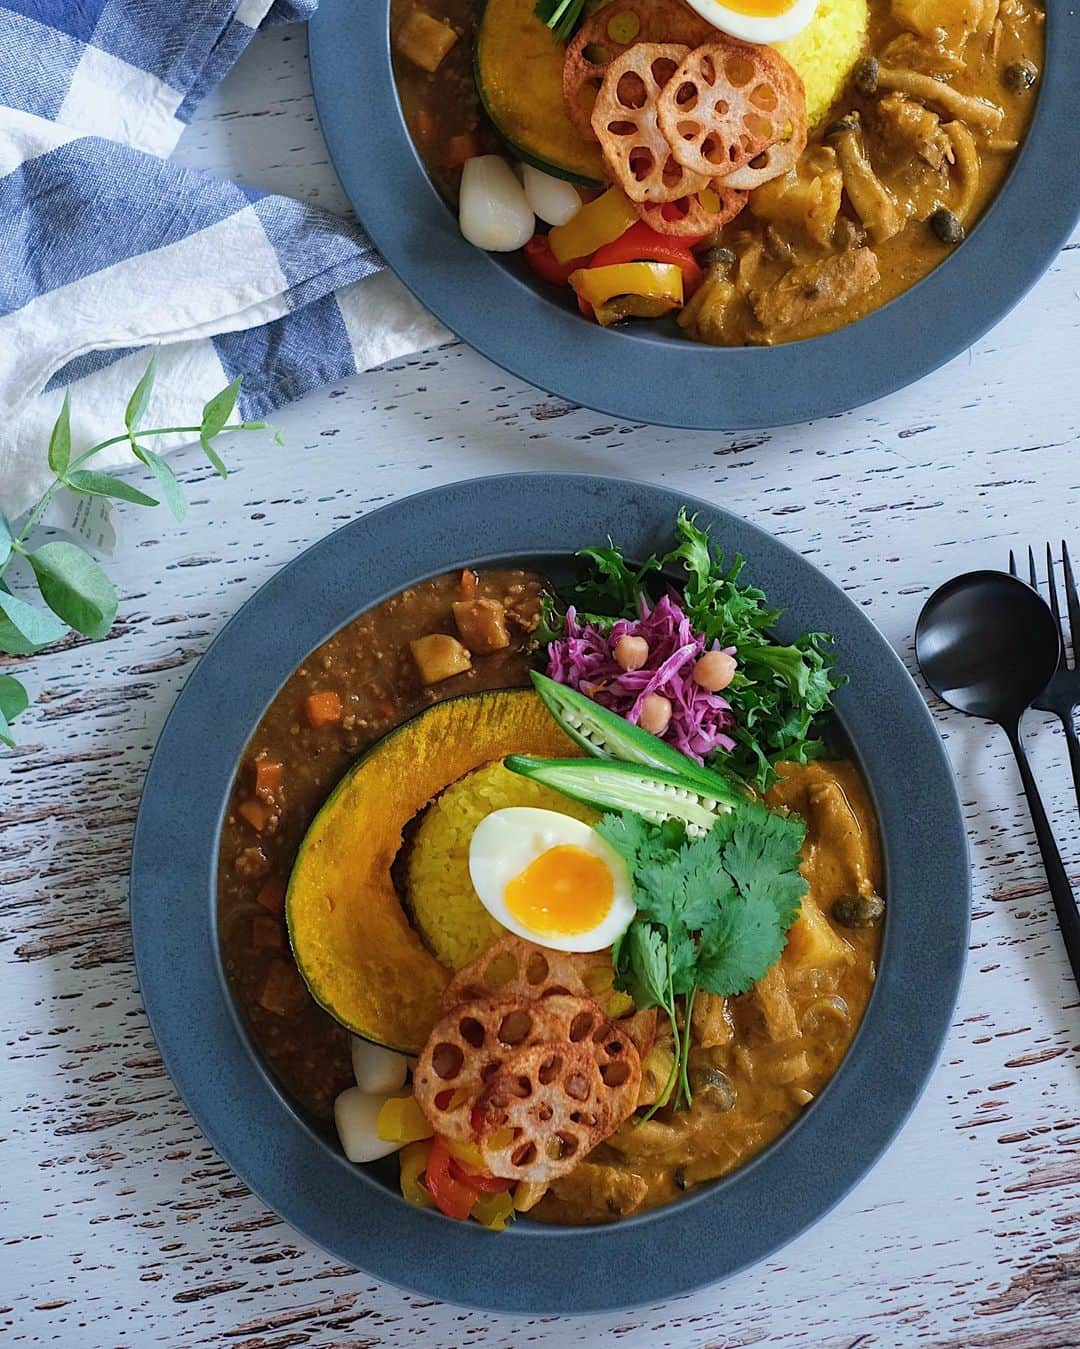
(266, 932)
(460, 148)
(425, 123)
(256, 813)
(272, 895)
(468, 583)
(323, 708)
(268, 776)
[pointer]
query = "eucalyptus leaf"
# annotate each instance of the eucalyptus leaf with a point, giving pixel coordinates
(13, 701)
(5, 539)
(12, 642)
(37, 627)
(133, 413)
(212, 455)
(60, 440)
(93, 484)
(219, 409)
(75, 588)
(166, 480)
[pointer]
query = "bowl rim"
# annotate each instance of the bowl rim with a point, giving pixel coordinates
(351, 1213)
(490, 305)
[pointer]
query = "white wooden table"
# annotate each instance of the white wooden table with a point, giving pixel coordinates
(118, 1223)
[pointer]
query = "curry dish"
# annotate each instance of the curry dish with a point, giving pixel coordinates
(567, 943)
(867, 146)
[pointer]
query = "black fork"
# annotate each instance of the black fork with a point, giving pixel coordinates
(1062, 695)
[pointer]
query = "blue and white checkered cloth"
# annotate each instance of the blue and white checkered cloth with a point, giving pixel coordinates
(108, 249)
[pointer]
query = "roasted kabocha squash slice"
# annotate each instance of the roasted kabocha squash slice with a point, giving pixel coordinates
(352, 940)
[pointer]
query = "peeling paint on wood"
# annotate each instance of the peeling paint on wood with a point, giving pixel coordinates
(121, 1227)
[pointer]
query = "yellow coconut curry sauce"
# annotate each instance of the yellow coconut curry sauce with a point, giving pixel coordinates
(761, 1059)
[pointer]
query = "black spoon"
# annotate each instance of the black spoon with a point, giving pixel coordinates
(988, 644)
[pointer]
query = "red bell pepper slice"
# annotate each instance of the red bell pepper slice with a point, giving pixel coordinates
(452, 1195)
(544, 263)
(484, 1183)
(641, 243)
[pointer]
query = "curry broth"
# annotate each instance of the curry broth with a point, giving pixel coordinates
(445, 118)
(369, 666)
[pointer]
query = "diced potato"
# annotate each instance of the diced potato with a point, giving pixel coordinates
(481, 624)
(439, 656)
(655, 1073)
(812, 941)
(809, 205)
(710, 1022)
(774, 999)
(955, 19)
(425, 40)
(528, 1193)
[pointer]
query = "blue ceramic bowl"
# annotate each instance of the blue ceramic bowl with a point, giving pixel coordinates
(353, 1212)
(645, 372)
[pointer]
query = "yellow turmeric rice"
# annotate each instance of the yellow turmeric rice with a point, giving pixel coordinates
(825, 52)
(452, 922)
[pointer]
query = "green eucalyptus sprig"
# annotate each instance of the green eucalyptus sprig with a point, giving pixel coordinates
(77, 593)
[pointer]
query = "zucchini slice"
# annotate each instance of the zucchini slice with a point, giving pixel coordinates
(519, 67)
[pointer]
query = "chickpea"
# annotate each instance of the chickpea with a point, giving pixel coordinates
(631, 653)
(655, 714)
(714, 671)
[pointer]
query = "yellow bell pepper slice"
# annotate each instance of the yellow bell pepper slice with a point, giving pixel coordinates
(493, 1211)
(597, 223)
(630, 289)
(402, 1121)
(414, 1160)
(468, 1154)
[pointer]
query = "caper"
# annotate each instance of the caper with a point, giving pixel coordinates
(841, 126)
(865, 76)
(720, 258)
(945, 226)
(678, 1176)
(1020, 76)
(713, 1088)
(859, 910)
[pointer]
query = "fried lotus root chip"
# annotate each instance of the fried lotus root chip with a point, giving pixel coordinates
(609, 33)
(551, 1104)
(774, 161)
(624, 120)
(694, 217)
(542, 1112)
(514, 968)
(727, 103)
(466, 1048)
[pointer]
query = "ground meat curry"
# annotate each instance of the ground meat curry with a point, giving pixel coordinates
(930, 106)
(756, 1061)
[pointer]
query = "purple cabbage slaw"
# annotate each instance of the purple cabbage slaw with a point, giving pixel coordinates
(583, 659)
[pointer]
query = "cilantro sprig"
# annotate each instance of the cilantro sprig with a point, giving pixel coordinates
(712, 912)
(779, 690)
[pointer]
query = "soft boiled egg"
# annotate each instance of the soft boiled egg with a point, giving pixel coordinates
(550, 879)
(758, 21)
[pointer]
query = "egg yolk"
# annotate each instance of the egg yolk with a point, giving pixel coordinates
(564, 891)
(764, 9)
